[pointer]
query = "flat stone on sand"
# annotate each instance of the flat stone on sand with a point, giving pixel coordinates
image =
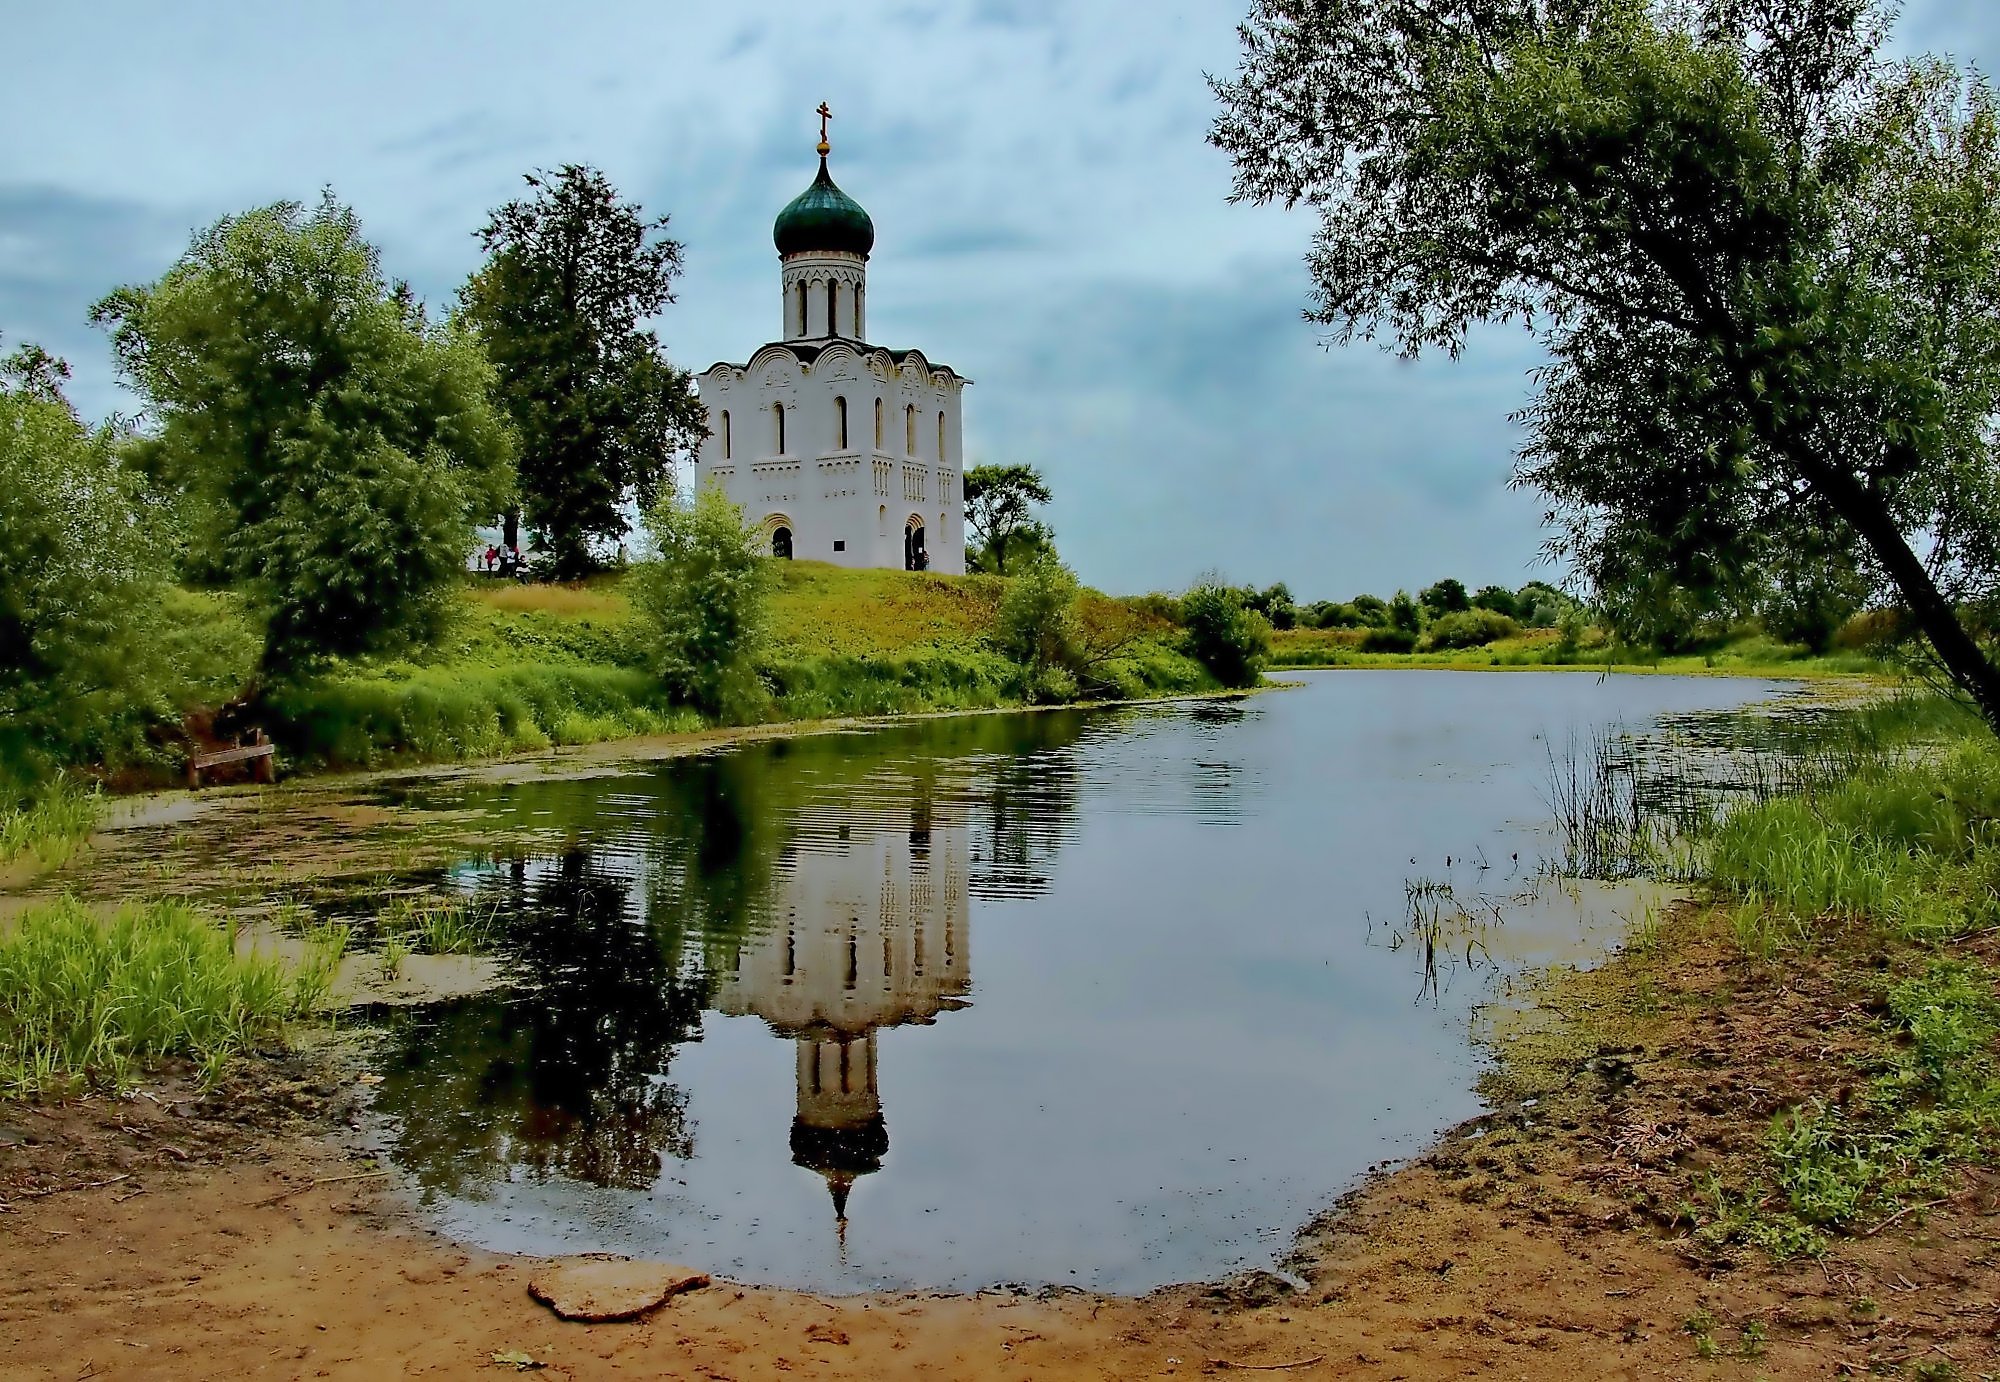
(598, 1289)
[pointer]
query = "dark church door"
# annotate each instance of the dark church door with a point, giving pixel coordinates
(781, 543)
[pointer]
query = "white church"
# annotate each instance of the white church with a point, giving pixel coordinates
(841, 451)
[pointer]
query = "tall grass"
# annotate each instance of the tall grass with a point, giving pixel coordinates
(439, 925)
(1910, 843)
(88, 1001)
(52, 825)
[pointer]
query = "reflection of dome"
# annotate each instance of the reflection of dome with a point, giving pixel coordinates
(842, 1155)
(870, 933)
(823, 218)
(839, 1131)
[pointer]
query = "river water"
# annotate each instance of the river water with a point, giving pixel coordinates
(1111, 999)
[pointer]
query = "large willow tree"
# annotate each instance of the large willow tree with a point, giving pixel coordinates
(1764, 263)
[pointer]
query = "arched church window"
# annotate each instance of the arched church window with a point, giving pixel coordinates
(909, 429)
(781, 548)
(878, 424)
(725, 434)
(858, 290)
(940, 454)
(778, 423)
(832, 308)
(840, 423)
(802, 308)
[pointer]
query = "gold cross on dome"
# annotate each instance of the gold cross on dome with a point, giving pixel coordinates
(824, 116)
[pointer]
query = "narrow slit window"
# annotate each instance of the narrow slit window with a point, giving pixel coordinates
(725, 434)
(840, 424)
(832, 308)
(778, 422)
(910, 429)
(878, 424)
(940, 454)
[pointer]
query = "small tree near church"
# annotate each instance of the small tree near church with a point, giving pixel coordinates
(572, 273)
(999, 502)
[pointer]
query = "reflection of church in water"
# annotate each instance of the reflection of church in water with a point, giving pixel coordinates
(869, 932)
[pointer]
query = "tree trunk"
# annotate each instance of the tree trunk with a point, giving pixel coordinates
(510, 529)
(1964, 661)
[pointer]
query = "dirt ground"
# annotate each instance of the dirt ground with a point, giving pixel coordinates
(170, 1234)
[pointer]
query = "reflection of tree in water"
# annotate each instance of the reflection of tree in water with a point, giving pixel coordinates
(569, 1077)
(622, 935)
(1026, 808)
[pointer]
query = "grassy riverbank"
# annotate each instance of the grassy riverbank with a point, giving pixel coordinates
(1800, 1065)
(1748, 654)
(520, 668)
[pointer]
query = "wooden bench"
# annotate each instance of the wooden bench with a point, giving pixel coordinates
(260, 753)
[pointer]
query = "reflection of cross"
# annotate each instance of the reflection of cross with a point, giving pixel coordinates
(824, 116)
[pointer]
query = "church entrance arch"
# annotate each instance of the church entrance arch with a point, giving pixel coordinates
(777, 529)
(915, 556)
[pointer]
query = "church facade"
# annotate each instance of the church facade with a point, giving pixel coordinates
(838, 450)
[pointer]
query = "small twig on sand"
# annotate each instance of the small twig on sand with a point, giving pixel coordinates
(1907, 1209)
(65, 1189)
(1228, 1366)
(313, 1184)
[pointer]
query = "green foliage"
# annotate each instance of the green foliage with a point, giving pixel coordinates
(77, 574)
(1372, 609)
(1225, 636)
(51, 825)
(1405, 614)
(1764, 262)
(1539, 605)
(326, 445)
(1499, 599)
(1446, 597)
(999, 512)
(460, 710)
(1468, 628)
(704, 597)
(1389, 639)
(1037, 627)
(571, 274)
(89, 1001)
(1274, 603)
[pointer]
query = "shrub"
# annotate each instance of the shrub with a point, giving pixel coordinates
(1037, 627)
(1388, 640)
(704, 597)
(1499, 599)
(1405, 613)
(1156, 604)
(1872, 631)
(1469, 628)
(1225, 636)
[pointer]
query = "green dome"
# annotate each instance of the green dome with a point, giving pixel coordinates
(823, 218)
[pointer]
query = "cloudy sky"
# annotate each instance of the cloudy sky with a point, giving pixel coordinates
(1049, 221)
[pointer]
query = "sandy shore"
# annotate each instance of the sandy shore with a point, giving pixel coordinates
(172, 1234)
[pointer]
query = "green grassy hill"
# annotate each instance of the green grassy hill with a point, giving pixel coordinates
(525, 666)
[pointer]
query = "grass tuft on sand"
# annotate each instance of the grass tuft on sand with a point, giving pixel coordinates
(87, 1001)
